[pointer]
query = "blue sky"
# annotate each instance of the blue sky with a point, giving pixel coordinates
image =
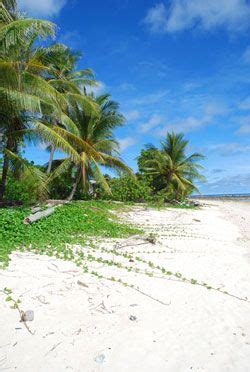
(173, 64)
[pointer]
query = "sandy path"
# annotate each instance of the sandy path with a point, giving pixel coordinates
(80, 328)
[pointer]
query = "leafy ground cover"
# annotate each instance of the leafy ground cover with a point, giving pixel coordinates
(164, 205)
(77, 223)
(72, 223)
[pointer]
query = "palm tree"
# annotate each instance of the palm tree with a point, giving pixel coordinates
(64, 77)
(25, 94)
(10, 6)
(17, 82)
(170, 167)
(27, 90)
(43, 96)
(94, 142)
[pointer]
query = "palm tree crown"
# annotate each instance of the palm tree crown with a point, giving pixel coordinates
(171, 167)
(93, 140)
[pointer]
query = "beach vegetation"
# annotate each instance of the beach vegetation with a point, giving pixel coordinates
(48, 101)
(72, 223)
(171, 171)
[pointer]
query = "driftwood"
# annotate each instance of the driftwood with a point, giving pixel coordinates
(37, 216)
(36, 209)
(53, 202)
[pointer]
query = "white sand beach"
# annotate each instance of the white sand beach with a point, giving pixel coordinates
(83, 323)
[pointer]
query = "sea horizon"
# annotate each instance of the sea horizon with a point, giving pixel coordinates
(239, 196)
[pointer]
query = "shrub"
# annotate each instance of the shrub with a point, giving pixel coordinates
(27, 189)
(128, 188)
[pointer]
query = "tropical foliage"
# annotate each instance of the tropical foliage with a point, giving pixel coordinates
(45, 99)
(128, 189)
(171, 170)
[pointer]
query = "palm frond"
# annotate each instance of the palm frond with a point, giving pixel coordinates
(18, 30)
(61, 169)
(97, 173)
(51, 136)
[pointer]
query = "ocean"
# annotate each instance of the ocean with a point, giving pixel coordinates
(238, 197)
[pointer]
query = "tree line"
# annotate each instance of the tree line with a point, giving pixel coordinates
(45, 98)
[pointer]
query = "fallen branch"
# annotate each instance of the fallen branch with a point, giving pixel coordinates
(37, 216)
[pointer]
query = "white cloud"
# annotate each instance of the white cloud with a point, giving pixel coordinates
(71, 38)
(126, 142)
(245, 125)
(210, 111)
(150, 98)
(230, 149)
(153, 122)
(234, 15)
(127, 87)
(244, 129)
(246, 55)
(98, 89)
(43, 145)
(157, 18)
(184, 125)
(42, 8)
(132, 115)
(245, 104)
(230, 184)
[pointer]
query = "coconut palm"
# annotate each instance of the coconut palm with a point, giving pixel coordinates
(27, 89)
(10, 5)
(24, 92)
(171, 168)
(64, 77)
(43, 96)
(94, 142)
(8, 10)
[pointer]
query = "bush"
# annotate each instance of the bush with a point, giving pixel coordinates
(128, 189)
(26, 190)
(61, 187)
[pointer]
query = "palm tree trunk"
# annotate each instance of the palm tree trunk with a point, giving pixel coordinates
(51, 156)
(5, 169)
(77, 179)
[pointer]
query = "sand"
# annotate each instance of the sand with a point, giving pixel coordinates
(85, 324)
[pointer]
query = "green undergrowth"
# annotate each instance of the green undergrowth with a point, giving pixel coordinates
(171, 205)
(84, 224)
(162, 205)
(72, 223)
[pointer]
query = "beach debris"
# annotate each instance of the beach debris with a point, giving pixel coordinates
(151, 239)
(38, 215)
(49, 334)
(27, 316)
(79, 282)
(196, 220)
(53, 348)
(36, 209)
(100, 358)
(102, 308)
(42, 299)
(133, 318)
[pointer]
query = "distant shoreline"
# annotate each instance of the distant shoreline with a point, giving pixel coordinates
(244, 197)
